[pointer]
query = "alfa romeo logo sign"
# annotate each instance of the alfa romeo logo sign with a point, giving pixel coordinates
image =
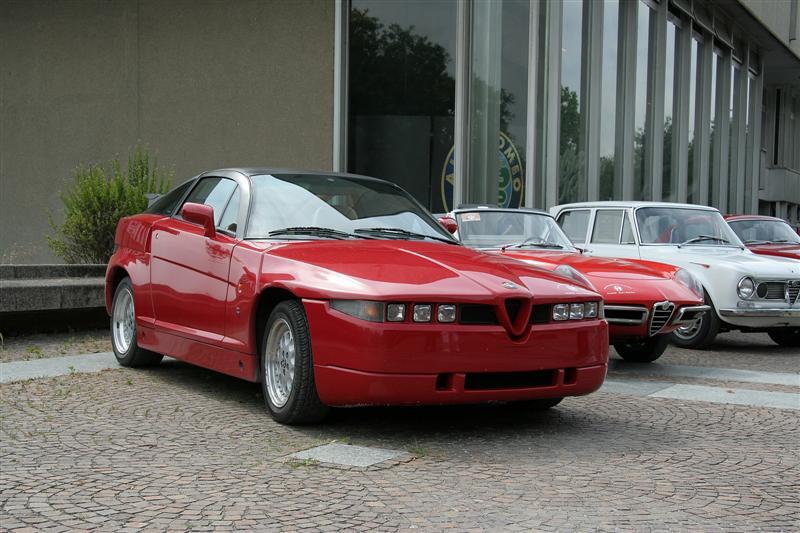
(511, 177)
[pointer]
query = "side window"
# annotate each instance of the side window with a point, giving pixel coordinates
(167, 203)
(231, 214)
(607, 226)
(627, 231)
(575, 224)
(214, 192)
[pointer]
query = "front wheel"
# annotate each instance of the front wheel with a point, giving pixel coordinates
(123, 330)
(287, 367)
(701, 333)
(642, 351)
(785, 336)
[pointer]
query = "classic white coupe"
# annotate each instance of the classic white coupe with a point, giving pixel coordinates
(746, 291)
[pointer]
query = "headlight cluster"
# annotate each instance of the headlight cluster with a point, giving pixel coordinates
(395, 312)
(746, 288)
(687, 279)
(577, 311)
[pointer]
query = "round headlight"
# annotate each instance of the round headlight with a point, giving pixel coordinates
(746, 288)
(687, 279)
(569, 272)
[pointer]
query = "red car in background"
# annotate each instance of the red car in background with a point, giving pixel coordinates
(341, 290)
(766, 235)
(644, 301)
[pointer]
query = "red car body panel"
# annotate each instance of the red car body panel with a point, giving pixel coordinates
(792, 251)
(620, 282)
(196, 299)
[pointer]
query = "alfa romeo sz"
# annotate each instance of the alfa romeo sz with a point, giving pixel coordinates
(644, 301)
(341, 290)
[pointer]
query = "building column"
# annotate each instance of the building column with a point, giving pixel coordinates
(702, 127)
(680, 118)
(591, 94)
(624, 181)
(656, 76)
(340, 83)
(722, 128)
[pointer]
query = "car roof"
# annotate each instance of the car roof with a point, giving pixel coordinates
(487, 207)
(631, 203)
(257, 171)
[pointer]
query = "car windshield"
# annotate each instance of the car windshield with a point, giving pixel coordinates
(764, 231)
(329, 206)
(684, 226)
(523, 229)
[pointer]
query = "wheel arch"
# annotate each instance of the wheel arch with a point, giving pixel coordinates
(113, 278)
(266, 301)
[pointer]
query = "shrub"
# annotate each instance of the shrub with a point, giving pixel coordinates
(98, 197)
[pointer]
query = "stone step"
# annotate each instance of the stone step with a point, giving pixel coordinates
(63, 293)
(51, 271)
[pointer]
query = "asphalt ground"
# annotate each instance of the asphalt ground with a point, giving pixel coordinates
(692, 442)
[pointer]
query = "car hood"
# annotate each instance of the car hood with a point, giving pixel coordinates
(712, 257)
(617, 280)
(791, 251)
(407, 270)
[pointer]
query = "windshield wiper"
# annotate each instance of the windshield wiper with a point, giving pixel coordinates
(315, 231)
(758, 241)
(701, 238)
(532, 242)
(399, 233)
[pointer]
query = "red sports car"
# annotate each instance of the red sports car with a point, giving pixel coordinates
(644, 301)
(766, 235)
(341, 290)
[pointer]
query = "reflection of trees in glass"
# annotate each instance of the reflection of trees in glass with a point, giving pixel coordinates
(570, 166)
(397, 71)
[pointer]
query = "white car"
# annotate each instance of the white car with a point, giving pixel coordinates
(746, 291)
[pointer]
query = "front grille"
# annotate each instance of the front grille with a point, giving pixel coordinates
(540, 314)
(509, 380)
(513, 306)
(477, 314)
(793, 292)
(623, 315)
(662, 312)
(776, 290)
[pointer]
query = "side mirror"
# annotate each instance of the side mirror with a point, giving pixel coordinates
(200, 214)
(449, 224)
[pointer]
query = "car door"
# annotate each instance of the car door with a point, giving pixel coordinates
(189, 270)
(612, 234)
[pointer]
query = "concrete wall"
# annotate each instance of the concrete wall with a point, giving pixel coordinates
(203, 83)
(777, 16)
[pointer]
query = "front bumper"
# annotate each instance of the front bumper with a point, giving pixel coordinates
(763, 317)
(635, 321)
(364, 363)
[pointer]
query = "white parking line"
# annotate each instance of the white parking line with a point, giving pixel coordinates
(702, 393)
(56, 366)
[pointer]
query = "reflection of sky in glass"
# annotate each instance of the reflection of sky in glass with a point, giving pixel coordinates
(571, 45)
(643, 35)
(669, 88)
(692, 90)
(609, 83)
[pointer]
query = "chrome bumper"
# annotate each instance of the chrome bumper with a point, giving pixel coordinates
(632, 309)
(688, 315)
(765, 313)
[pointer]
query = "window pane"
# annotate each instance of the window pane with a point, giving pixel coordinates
(167, 203)
(607, 226)
(498, 104)
(642, 189)
(575, 224)
(608, 116)
(713, 110)
(571, 179)
(402, 94)
(214, 192)
(693, 101)
(732, 143)
(231, 214)
(627, 232)
(668, 190)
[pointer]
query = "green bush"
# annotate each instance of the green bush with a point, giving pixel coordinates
(98, 197)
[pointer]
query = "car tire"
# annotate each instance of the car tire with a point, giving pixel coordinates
(643, 351)
(785, 336)
(287, 367)
(702, 335)
(123, 330)
(542, 404)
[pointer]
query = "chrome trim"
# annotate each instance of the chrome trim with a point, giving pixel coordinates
(626, 321)
(756, 312)
(664, 306)
(699, 309)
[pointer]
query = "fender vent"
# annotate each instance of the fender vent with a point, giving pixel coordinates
(662, 312)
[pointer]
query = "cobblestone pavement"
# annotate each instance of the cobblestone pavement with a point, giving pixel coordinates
(178, 447)
(44, 346)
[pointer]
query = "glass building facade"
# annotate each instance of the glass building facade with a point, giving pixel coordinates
(535, 103)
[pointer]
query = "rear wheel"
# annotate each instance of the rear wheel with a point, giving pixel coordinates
(287, 367)
(123, 330)
(701, 333)
(643, 350)
(785, 336)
